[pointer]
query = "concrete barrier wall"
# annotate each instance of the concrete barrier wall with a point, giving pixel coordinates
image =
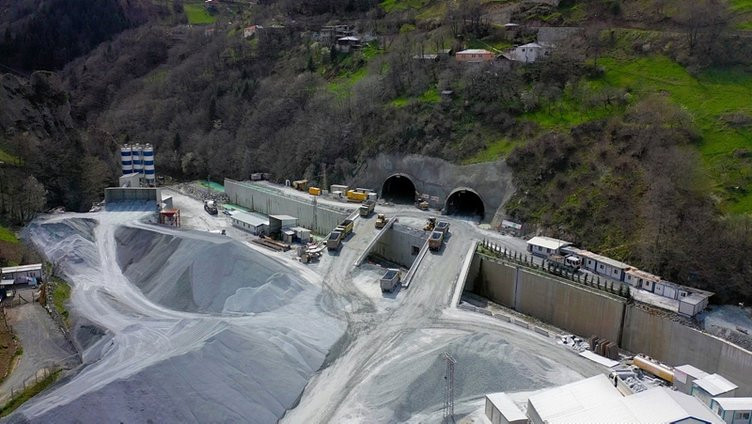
(587, 312)
(132, 194)
(572, 308)
(678, 344)
(398, 243)
(495, 281)
(319, 218)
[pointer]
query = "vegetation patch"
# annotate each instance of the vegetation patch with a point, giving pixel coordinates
(494, 150)
(7, 235)
(707, 97)
(342, 85)
(61, 293)
(28, 393)
(197, 14)
(402, 5)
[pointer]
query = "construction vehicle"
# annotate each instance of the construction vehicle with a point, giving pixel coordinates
(356, 196)
(334, 241)
(442, 226)
(301, 185)
(422, 205)
(367, 208)
(345, 227)
(390, 280)
(211, 207)
(436, 240)
(380, 221)
(314, 191)
(430, 224)
(310, 252)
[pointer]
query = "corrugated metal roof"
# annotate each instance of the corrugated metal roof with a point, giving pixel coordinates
(474, 51)
(21, 268)
(692, 371)
(504, 404)
(548, 242)
(735, 403)
(573, 398)
(715, 384)
(283, 217)
(604, 260)
(249, 219)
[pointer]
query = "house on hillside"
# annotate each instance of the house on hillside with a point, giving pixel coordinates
(250, 31)
(529, 53)
(474, 56)
(348, 44)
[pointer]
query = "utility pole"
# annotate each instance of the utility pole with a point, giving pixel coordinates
(449, 388)
(324, 185)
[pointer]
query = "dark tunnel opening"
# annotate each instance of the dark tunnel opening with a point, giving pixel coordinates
(465, 203)
(398, 189)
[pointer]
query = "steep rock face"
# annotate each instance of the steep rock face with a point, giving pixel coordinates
(39, 105)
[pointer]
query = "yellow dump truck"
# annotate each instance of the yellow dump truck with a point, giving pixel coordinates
(315, 191)
(356, 196)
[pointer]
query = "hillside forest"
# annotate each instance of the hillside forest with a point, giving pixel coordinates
(633, 138)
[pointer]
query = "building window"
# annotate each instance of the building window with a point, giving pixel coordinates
(548, 250)
(741, 416)
(616, 271)
(600, 266)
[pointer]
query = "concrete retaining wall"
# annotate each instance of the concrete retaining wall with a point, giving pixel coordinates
(320, 219)
(132, 194)
(572, 308)
(400, 244)
(678, 344)
(587, 312)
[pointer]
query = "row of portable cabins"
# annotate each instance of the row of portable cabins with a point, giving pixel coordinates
(691, 301)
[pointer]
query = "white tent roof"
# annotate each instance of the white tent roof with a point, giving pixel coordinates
(715, 384)
(548, 242)
(573, 398)
(735, 403)
(506, 406)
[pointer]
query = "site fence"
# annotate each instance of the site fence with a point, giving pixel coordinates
(492, 249)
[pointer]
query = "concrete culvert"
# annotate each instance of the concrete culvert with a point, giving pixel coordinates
(465, 202)
(399, 188)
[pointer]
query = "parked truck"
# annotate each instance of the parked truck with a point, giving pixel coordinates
(301, 185)
(367, 208)
(430, 224)
(390, 280)
(345, 227)
(314, 191)
(442, 226)
(356, 196)
(334, 241)
(435, 240)
(210, 207)
(380, 221)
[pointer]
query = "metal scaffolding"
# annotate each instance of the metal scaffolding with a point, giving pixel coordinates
(449, 388)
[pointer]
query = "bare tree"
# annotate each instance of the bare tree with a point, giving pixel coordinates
(703, 21)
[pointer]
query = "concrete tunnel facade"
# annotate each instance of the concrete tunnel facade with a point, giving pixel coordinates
(487, 185)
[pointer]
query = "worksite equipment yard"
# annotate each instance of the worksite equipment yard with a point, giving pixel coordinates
(185, 325)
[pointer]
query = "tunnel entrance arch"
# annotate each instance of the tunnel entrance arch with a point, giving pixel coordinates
(464, 201)
(399, 188)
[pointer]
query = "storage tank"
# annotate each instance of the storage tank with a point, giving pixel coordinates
(653, 367)
(148, 164)
(138, 166)
(126, 159)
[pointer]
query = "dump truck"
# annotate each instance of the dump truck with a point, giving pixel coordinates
(390, 280)
(211, 207)
(334, 241)
(301, 185)
(430, 224)
(367, 208)
(436, 240)
(315, 191)
(345, 227)
(356, 196)
(380, 221)
(422, 205)
(442, 226)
